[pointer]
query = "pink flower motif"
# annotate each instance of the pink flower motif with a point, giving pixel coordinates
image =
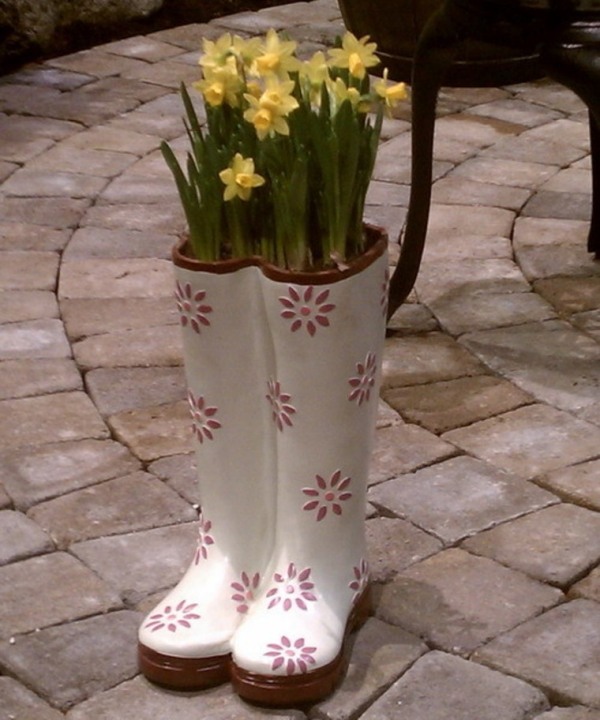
(244, 591)
(203, 418)
(191, 308)
(293, 588)
(361, 578)
(205, 539)
(364, 381)
(385, 291)
(327, 495)
(173, 618)
(295, 656)
(306, 307)
(280, 405)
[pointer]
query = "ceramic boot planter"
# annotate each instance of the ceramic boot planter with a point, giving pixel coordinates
(327, 332)
(185, 641)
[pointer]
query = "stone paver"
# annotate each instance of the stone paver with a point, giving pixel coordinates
(53, 662)
(556, 545)
(32, 475)
(573, 713)
(577, 484)
(179, 472)
(18, 701)
(483, 505)
(443, 687)
(462, 310)
(114, 390)
(487, 275)
(106, 278)
(558, 651)
(34, 338)
(155, 432)
(143, 699)
(394, 545)
(70, 591)
(458, 498)
(442, 406)
(380, 654)
(133, 502)
(589, 587)
(29, 236)
(47, 419)
(434, 357)
(529, 441)
(19, 305)
(131, 348)
(458, 601)
(23, 377)
(400, 449)
(86, 316)
(28, 270)
(149, 560)
(20, 537)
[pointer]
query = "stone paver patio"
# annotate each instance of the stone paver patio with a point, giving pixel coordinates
(484, 513)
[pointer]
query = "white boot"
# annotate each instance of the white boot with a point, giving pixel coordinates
(185, 641)
(328, 340)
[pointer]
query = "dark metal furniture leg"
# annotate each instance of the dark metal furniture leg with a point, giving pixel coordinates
(594, 236)
(436, 50)
(573, 58)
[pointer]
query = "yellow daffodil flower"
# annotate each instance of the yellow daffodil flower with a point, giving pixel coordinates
(391, 94)
(239, 178)
(277, 57)
(221, 84)
(315, 72)
(215, 53)
(356, 55)
(342, 92)
(268, 112)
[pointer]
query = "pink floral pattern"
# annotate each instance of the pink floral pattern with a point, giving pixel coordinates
(204, 422)
(360, 580)
(364, 381)
(192, 310)
(307, 308)
(280, 405)
(173, 617)
(293, 588)
(205, 540)
(293, 655)
(327, 495)
(245, 588)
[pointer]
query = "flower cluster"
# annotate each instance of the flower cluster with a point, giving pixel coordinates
(282, 164)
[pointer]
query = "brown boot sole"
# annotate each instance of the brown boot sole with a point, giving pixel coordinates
(180, 673)
(310, 687)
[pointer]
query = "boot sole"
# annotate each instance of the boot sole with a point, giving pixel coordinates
(310, 687)
(180, 673)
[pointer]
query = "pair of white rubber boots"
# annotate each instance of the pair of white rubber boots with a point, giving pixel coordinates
(283, 378)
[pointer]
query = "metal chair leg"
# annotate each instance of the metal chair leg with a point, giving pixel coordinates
(594, 236)
(435, 52)
(573, 58)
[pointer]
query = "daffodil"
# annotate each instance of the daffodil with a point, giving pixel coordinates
(342, 92)
(277, 57)
(215, 54)
(355, 55)
(269, 111)
(305, 130)
(314, 73)
(391, 94)
(239, 178)
(221, 84)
